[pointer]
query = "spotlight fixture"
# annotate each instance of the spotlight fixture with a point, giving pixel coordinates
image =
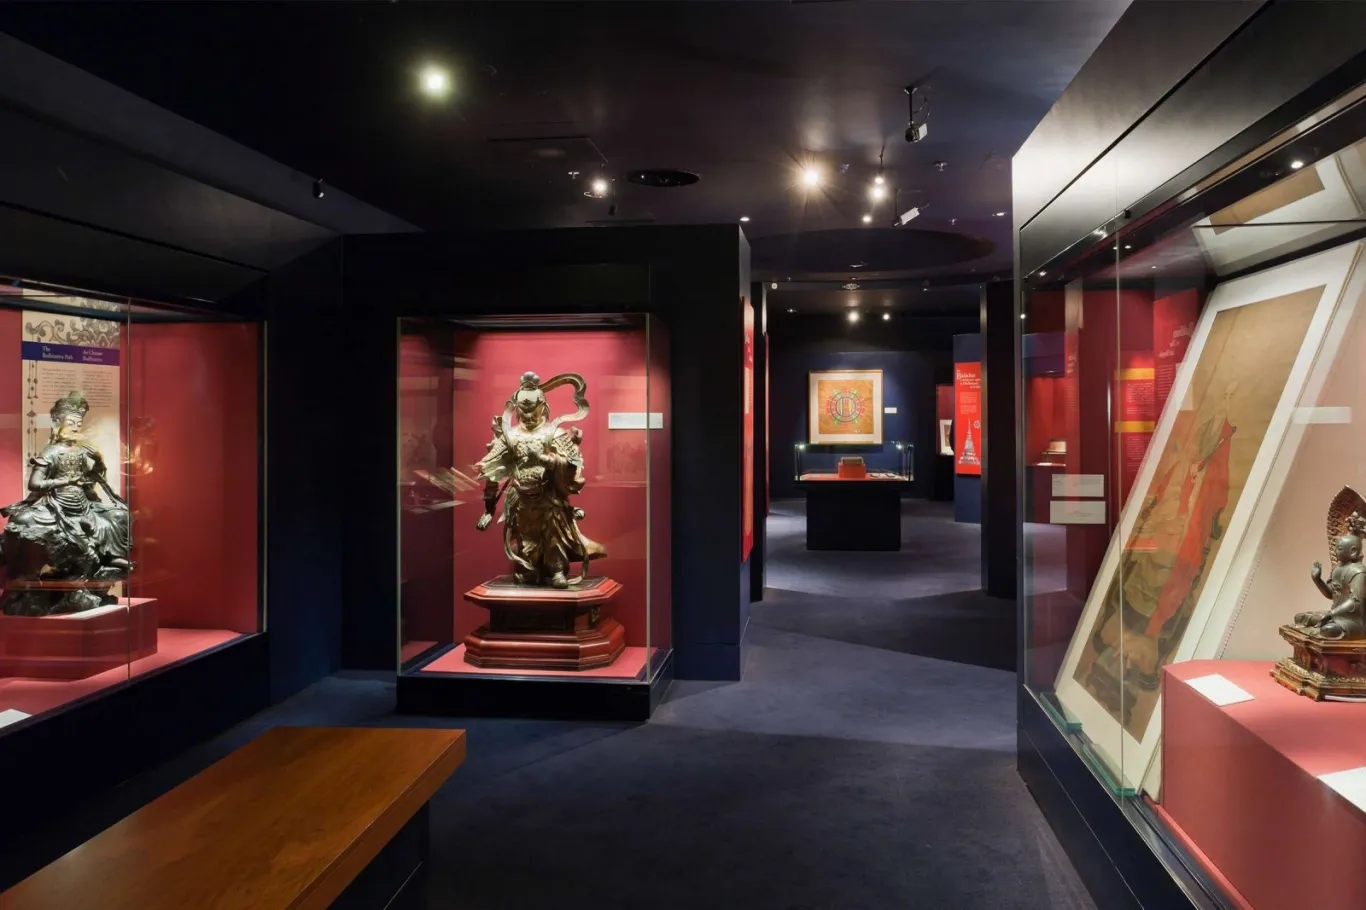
(598, 188)
(853, 316)
(850, 286)
(774, 286)
(867, 219)
(318, 190)
(1296, 164)
(435, 81)
(790, 310)
(1128, 246)
(879, 180)
(908, 216)
(886, 317)
(812, 176)
(1000, 214)
(744, 218)
(877, 192)
(1042, 273)
(918, 122)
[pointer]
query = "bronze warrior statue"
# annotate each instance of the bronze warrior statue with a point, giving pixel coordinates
(65, 545)
(536, 465)
(1346, 587)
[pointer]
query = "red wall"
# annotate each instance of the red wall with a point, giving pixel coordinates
(613, 363)
(192, 410)
(12, 473)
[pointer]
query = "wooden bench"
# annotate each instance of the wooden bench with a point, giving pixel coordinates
(301, 817)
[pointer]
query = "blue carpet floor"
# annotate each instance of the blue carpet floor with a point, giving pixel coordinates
(854, 767)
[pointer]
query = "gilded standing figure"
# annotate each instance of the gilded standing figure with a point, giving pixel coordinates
(535, 466)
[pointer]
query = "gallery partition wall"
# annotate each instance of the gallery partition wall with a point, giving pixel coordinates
(1191, 404)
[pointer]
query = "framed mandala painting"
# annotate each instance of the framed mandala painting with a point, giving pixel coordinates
(845, 407)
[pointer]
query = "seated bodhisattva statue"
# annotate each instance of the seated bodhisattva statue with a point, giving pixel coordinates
(1346, 588)
(67, 543)
(536, 465)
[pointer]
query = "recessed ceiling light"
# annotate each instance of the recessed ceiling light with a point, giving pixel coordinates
(812, 176)
(774, 285)
(853, 315)
(790, 310)
(1152, 266)
(744, 217)
(1296, 164)
(1128, 246)
(886, 317)
(598, 187)
(1042, 273)
(435, 81)
(867, 219)
(879, 180)
(877, 192)
(1000, 214)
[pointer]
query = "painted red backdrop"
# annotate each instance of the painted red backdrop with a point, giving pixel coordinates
(967, 401)
(190, 412)
(489, 366)
(747, 484)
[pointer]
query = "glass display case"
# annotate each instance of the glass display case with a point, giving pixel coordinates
(1194, 437)
(886, 461)
(534, 491)
(129, 496)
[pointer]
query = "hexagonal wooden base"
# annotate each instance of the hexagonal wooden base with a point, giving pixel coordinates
(544, 628)
(1322, 669)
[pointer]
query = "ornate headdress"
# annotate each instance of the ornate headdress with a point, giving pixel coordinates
(1356, 525)
(71, 403)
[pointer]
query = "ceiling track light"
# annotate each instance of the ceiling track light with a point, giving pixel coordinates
(319, 191)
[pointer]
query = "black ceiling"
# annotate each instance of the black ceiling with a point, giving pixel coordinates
(741, 94)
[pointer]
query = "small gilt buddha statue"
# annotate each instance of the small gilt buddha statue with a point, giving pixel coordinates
(1346, 588)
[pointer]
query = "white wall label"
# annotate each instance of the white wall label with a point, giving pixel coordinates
(1219, 690)
(11, 716)
(1079, 485)
(634, 420)
(1072, 512)
(889, 410)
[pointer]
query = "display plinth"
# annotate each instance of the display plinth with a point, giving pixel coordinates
(1242, 783)
(1322, 669)
(538, 628)
(844, 514)
(78, 645)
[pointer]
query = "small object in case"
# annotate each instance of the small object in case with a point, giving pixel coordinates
(851, 467)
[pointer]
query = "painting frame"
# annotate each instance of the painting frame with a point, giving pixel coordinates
(815, 407)
(1335, 272)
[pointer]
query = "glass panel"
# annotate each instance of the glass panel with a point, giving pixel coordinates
(1179, 640)
(513, 602)
(129, 458)
(658, 465)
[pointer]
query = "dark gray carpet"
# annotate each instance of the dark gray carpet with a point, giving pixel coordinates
(847, 770)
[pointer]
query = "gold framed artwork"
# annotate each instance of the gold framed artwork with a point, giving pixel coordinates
(844, 407)
(1176, 566)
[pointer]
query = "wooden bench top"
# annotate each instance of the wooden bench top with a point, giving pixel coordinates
(286, 821)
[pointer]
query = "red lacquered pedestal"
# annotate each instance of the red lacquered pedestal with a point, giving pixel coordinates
(544, 628)
(78, 645)
(1241, 784)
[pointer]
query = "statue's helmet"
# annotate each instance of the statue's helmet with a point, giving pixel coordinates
(72, 404)
(530, 399)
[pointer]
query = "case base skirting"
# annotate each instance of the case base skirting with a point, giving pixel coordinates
(1322, 669)
(1244, 782)
(536, 628)
(78, 645)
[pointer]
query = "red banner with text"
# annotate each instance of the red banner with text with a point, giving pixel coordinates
(968, 423)
(747, 544)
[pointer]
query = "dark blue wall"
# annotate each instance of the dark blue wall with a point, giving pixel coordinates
(913, 356)
(967, 488)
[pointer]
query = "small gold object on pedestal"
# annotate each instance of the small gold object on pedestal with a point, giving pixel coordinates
(1330, 646)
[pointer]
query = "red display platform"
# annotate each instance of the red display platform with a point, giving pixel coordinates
(536, 628)
(1240, 783)
(78, 645)
(630, 665)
